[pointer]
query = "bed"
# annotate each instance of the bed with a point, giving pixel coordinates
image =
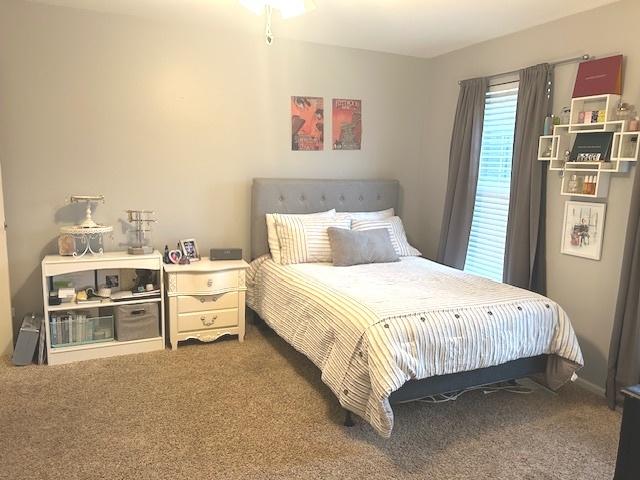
(394, 332)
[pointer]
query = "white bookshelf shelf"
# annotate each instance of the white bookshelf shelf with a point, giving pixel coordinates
(54, 265)
(84, 306)
(104, 345)
(624, 151)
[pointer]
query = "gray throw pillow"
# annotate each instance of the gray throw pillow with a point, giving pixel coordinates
(349, 247)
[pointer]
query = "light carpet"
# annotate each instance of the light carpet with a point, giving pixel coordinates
(259, 410)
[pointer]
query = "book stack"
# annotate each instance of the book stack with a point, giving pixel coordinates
(73, 328)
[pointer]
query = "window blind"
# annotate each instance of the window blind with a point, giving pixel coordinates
(485, 253)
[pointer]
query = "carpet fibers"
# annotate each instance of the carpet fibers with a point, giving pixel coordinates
(259, 410)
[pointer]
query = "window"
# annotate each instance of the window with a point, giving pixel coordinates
(485, 253)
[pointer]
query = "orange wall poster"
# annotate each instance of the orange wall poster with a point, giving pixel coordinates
(307, 123)
(346, 124)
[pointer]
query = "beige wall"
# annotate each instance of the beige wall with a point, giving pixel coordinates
(178, 120)
(586, 289)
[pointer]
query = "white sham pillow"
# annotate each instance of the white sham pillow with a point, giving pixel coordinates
(380, 215)
(272, 235)
(306, 240)
(396, 232)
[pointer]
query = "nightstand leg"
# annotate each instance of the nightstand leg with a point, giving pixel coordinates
(348, 419)
(241, 316)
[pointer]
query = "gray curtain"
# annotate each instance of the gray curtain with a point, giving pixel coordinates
(624, 352)
(464, 161)
(524, 258)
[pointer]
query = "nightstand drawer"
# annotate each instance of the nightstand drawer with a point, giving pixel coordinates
(199, 303)
(207, 282)
(206, 320)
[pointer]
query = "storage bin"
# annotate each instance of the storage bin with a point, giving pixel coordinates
(135, 322)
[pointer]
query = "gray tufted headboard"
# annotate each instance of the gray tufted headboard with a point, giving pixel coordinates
(279, 195)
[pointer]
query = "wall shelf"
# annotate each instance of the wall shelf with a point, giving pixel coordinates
(625, 146)
(586, 184)
(624, 151)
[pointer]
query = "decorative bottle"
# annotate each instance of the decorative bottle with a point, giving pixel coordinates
(572, 186)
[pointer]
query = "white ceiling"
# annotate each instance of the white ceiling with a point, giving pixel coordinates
(422, 28)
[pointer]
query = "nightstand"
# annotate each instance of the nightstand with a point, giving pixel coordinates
(206, 300)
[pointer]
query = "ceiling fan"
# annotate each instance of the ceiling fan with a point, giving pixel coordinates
(287, 9)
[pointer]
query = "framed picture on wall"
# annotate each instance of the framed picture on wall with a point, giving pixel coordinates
(583, 229)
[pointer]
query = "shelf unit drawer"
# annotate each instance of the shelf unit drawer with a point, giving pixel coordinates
(209, 282)
(200, 303)
(188, 322)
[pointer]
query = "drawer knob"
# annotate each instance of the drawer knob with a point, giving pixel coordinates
(201, 299)
(206, 323)
(209, 282)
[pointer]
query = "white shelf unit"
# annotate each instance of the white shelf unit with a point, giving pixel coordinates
(551, 147)
(606, 103)
(54, 265)
(625, 146)
(624, 151)
(601, 181)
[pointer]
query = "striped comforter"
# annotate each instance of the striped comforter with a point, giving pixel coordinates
(371, 328)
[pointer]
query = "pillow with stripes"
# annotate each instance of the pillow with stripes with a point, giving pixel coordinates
(380, 215)
(305, 240)
(396, 232)
(272, 235)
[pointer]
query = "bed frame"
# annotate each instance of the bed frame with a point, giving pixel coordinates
(273, 195)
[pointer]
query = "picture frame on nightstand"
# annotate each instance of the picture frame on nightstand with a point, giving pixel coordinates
(189, 249)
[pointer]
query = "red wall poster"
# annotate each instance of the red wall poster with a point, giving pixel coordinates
(307, 123)
(346, 124)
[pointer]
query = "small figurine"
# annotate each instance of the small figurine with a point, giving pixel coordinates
(165, 257)
(184, 259)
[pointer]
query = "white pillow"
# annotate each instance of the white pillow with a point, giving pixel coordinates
(305, 240)
(396, 232)
(272, 235)
(381, 215)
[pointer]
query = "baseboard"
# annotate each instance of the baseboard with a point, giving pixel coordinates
(591, 387)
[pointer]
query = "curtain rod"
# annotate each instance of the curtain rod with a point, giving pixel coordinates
(581, 58)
